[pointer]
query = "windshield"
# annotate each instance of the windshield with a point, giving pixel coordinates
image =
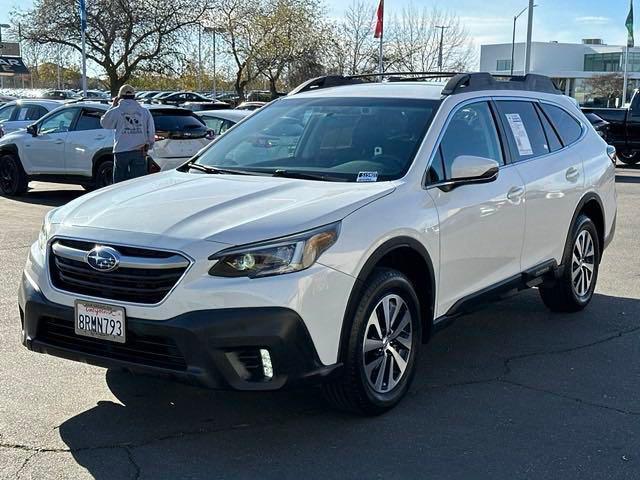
(342, 139)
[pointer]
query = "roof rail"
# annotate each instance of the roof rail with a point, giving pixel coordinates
(340, 80)
(459, 82)
(473, 82)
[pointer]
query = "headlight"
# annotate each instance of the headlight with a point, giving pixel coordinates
(284, 255)
(45, 231)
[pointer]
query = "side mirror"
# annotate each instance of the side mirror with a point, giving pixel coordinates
(33, 130)
(469, 169)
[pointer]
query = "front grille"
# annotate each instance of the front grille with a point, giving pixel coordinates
(138, 285)
(153, 351)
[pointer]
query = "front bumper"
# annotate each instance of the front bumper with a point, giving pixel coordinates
(212, 348)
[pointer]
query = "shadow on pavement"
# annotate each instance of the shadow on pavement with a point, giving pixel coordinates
(627, 179)
(465, 404)
(52, 198)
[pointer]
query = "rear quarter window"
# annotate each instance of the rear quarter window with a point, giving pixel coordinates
(567, 127)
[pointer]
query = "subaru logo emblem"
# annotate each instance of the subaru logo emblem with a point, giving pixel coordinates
(103, 259)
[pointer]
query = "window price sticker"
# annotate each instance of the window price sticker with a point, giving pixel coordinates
(520, 134)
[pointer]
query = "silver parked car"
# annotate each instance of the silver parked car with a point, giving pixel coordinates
(22, 113)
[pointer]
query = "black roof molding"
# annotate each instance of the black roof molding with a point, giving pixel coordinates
(475, 82)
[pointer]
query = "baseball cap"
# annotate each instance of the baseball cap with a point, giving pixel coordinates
(126, 90)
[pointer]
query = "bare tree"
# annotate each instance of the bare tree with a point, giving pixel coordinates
(291, 30)
(607, 87)
(122, 36)
(414, 41)
(352, 46)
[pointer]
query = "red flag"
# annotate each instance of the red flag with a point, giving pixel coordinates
(379, 20)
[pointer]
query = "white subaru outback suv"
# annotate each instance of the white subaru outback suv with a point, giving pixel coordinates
(328, 236)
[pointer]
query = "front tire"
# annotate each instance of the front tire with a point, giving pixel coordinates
(13, 179)
(629, 157)
(573, 291)
(382, 347)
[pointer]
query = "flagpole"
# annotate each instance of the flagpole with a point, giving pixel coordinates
(625, 81)
(380, 63)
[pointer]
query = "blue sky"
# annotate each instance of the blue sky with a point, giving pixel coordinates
(490, 21)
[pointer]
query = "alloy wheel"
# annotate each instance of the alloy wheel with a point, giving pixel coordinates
(388, 342)
(583, 264)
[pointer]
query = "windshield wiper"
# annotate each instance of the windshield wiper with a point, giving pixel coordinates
(305, 176)
(216, 170)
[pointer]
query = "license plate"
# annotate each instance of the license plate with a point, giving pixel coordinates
(96, 320)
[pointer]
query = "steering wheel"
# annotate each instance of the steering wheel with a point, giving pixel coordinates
(385, 159)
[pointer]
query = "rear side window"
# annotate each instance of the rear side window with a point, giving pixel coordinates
(89, 120)
(567, 127)
(472, 131)
(524, 130)
(36, 112)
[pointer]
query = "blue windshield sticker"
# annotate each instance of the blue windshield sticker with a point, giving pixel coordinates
(367, 177)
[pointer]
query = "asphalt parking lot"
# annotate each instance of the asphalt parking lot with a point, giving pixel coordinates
(510, 392)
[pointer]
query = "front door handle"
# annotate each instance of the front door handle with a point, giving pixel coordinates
(59, 142)
(516, 194)
(572, 174)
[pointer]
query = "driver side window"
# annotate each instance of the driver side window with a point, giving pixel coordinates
(59, 122)
(471, 131)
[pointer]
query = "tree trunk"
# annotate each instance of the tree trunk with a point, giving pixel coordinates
(273, 89)
(240, 84)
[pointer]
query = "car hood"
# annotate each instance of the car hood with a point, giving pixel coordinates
(231, 209)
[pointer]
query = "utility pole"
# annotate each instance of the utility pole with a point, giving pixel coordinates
(3, 25)
(199, 57)
(213, 31)
(440, 60)
(527, 56)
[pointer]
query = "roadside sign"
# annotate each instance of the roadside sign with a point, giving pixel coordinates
(12, 66)
(11, 49)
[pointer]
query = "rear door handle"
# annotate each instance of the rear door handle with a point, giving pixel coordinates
(572, 174)
(516, 194)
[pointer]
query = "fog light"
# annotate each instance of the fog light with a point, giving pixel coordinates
(267, 368)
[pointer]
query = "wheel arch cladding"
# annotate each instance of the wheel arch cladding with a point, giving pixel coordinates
(9, 150)
(591, 206)
(101, 156)
(408, 256)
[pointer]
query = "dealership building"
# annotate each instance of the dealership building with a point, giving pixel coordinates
(570, 65)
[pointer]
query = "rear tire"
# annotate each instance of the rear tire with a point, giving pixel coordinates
(382, 348)
(13, 179)
(104, 174)
(573, 291)
(629, 157)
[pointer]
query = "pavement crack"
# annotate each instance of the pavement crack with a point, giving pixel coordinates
(136, 467)
(507, 361)
(569, 397)
(24, 465)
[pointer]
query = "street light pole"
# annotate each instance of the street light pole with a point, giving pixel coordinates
(513, 40)
(527, 55)
(199, 58)
(213, 31)
(442, 29)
